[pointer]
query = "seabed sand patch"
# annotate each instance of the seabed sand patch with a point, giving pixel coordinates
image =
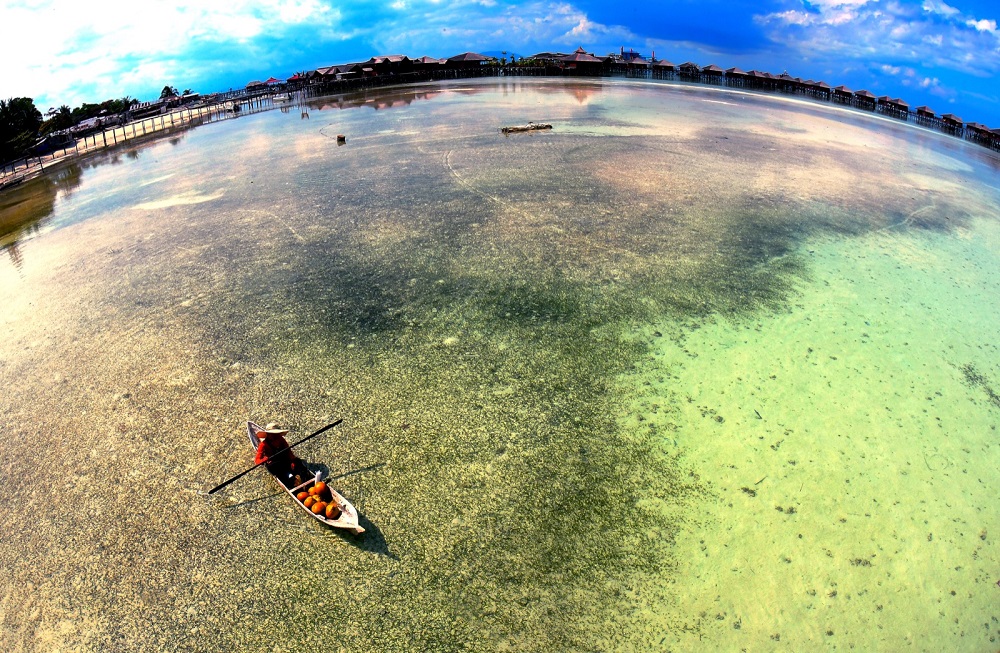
(848, 444)
(484, 312)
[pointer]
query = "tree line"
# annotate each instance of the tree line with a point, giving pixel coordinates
(22, 124)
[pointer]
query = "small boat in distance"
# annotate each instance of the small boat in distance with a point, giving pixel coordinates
(530, 127)
(348, 519)
(282, 97)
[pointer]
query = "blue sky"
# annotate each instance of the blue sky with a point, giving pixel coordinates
(942, 54)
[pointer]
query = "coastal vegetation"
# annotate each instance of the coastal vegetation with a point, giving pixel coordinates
(22, 124)
(19, 123)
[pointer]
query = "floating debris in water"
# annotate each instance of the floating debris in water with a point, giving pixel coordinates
(530, 127)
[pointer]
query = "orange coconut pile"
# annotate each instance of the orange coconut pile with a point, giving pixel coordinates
(319, 499)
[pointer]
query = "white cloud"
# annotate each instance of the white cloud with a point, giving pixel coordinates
(936, 34)
(935, 7)
(834, 4)
(793, 17)
(519, 27)
(71, 48)
(840, 17)
(982, 25)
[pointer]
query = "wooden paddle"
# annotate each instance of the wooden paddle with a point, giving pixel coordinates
(242, 474)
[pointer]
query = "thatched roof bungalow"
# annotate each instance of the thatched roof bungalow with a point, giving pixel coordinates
(428, 62)
(843, 95)
(390, 64)
(468, 60)
(547, 58)
(788, 84)
(690, 71)
(581, 62)
(951, 124)
(893, 107)
(823, 90)
(864, 100)
(979, 133)
(712, 74)
(760, 80)
(736, 77)
(924, 116)
(341, 71)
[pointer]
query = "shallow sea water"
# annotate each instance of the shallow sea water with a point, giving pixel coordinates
(694, 370)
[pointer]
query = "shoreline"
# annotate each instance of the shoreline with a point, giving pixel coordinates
(798, 92)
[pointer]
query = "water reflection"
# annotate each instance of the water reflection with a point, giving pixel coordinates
(377, 99)
(24, 208)
(399, 97)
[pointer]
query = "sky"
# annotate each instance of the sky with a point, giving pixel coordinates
(928, 52)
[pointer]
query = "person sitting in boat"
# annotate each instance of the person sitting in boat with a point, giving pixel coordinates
(289, 469)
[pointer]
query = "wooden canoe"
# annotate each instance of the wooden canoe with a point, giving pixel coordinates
(348, 519)
(530, 127)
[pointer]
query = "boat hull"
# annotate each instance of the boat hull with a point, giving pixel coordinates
(348, 519)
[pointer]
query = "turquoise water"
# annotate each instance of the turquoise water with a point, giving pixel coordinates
(695, 368)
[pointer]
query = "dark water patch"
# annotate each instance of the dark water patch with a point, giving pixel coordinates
(509, 430)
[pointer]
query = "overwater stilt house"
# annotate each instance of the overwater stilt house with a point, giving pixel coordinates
(893, 107)
(468, 60)
(978, 133)
(398, 68)
(427, 64)
(712, 74)
(736, 77)
(789, 84)
(662, 69)
(390, 64)
(864, 100)
(690, 71)
(843, 95)
(822, 91)
(581, 63)
(924, 116)
(759, 80)
(952, 124)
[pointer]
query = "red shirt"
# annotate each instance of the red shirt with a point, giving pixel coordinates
(271, 444)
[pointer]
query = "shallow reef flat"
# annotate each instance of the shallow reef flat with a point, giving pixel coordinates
(693, 366)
